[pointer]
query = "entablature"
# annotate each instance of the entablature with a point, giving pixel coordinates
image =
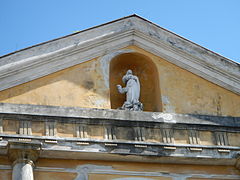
(109, 134)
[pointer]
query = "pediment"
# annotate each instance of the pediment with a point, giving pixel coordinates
(108, 39)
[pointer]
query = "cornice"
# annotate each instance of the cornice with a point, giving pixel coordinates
(38, 66)
(127, 118)
(39, 61)
(31, 146)
(222, 77)
(114, 150)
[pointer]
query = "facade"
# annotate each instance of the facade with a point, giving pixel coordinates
(59, 116)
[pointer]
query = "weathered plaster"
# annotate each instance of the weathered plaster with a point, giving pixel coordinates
(182, 91)
(74, 71)
(50, 57)
(168, 107)
(84, 170)
(135, 136)
(80, 85)
(105, 63)
(77, 169)
(185, 92)
(102, 171)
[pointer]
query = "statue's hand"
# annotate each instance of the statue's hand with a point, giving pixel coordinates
(119, 86)
(121, 89)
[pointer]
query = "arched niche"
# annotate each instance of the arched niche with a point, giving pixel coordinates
(143, 67)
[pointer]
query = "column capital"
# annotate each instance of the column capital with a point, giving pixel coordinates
(23, 152)
(25, 161)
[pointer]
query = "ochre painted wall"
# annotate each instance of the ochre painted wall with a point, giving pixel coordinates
(185, 92)
(57, 169)
(83, 86)
(145, 70)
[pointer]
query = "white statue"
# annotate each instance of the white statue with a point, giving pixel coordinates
(132, 90)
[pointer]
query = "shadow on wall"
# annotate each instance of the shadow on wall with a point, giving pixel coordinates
(143, 67)
(54, 89)
(217, 120)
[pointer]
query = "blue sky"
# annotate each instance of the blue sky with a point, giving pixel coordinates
(213, 24)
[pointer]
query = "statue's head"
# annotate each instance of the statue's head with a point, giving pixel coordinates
(129, 72)
(127, 76)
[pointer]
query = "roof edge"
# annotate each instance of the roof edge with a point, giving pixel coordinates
(72, 34)
(79, 47)
(119, 19)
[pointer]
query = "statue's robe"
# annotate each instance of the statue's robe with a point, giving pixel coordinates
(133, 90)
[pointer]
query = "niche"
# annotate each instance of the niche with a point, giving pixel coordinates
(143, 67)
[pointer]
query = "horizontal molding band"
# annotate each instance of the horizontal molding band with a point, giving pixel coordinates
(110, 116)
(130, 152)
(62, 140)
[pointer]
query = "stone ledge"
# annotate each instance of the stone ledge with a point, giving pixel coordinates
(60, 140)
(121, 150)
(105, 116)
(138, 151)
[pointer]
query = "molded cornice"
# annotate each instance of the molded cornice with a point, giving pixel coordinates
(128, 149)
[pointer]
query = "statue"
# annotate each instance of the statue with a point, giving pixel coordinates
(132, 90)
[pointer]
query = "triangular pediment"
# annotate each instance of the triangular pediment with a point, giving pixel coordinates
(112, 100)
(49, 57)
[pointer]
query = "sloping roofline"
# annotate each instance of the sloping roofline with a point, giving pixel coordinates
(62, 37)
(132, 15)
(51, 56)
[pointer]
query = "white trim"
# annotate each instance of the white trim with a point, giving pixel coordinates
(39, 61)
(85, 170)
(35, 67)
(105, 63)
(190, 63)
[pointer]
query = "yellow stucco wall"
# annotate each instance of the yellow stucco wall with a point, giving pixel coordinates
(83, 86)
(185, 92)
(56, 169)
(133, 170)
(119, 177)
(80, 85)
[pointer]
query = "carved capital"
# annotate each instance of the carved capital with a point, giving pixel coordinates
(27, 152)
(25, 161)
